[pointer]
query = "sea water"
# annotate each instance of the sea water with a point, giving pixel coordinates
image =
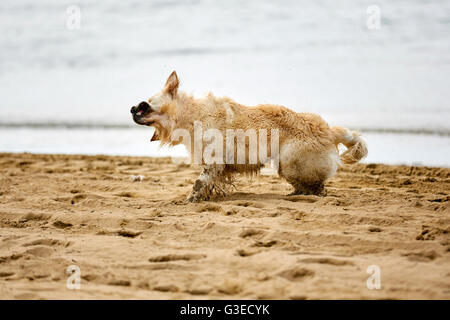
(68, 87)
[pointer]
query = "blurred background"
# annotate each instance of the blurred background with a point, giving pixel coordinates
(70, 71)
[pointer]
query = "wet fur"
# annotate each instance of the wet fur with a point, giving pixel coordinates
(308, 146)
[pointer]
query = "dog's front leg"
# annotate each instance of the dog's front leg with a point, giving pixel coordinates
(205, 184)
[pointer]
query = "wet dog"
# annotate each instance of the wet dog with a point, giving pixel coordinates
(304, 147)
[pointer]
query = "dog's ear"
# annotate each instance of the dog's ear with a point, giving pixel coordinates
(172, 84)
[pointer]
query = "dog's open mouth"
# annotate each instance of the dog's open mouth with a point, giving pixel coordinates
(142, 109)
(140, 112)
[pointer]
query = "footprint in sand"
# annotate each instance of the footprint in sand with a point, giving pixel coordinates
(61, 225)
(422, 256)
(296, 274)
(26, 296)
(177, 257)
(129, 233)
(4, 274)
(40, 251)
(126, 194)
(300, 198)
(209, 207)
(166, 288)
(122, 232)
(11, 257)
(36, 217)
(120, 283)
(265, 244)
(199, 291)
(246, 204)
(250, 232)
(330, 261)
(47, 242)
(247, 252)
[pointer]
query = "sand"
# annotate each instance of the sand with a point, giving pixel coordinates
(138, 240)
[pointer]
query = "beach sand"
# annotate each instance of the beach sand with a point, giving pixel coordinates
(134, 239)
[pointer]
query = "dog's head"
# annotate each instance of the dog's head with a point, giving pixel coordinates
(159, 110)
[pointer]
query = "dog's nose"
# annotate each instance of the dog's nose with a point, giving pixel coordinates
(143, 105)
(142, 109)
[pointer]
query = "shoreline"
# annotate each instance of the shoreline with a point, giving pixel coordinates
(393, 149)
(164, 157)
(139, 240)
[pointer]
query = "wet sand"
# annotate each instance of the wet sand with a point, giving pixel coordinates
(138, 240)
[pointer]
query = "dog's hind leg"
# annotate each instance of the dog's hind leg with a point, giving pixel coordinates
(213, 178)
(308, 171)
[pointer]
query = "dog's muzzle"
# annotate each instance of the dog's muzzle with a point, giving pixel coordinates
(140, 111)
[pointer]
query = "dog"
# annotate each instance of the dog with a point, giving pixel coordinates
(307, 153)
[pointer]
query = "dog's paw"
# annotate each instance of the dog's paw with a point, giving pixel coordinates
(196, 196)
(191, 198)
(322, 193)
(316, 190)
(200, 192)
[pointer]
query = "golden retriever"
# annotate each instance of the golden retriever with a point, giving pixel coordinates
(302, 145)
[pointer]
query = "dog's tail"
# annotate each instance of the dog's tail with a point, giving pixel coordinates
(356, 147)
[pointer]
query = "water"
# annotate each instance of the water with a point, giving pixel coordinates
(70, 91)
(384, 148)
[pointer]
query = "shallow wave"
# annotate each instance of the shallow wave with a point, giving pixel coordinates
(106, 126)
